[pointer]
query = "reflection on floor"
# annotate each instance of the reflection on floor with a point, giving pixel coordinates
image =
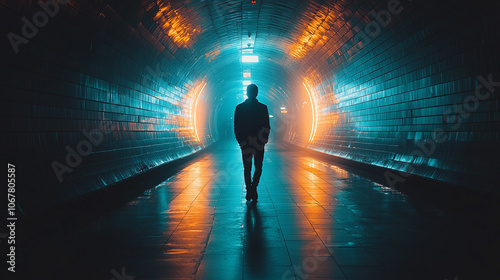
(314, 220)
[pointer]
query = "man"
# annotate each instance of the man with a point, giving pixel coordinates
(251, 127)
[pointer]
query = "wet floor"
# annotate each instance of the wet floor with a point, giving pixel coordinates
(314, 220)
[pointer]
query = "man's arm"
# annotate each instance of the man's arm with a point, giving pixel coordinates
(266, 127)
(237, 125)
(267, 124)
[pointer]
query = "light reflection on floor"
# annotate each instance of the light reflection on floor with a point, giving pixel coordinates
(314, 220)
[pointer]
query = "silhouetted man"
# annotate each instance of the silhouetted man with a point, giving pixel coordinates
(251, 127)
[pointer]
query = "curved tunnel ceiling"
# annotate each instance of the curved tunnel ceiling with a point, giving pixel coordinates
(284, 34)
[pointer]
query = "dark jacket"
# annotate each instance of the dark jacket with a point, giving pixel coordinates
(251, 120)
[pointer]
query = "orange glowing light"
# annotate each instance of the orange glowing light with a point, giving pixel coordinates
(176, 23)
(212, 55)
(314, 112)
(203, 84)
(315, 33)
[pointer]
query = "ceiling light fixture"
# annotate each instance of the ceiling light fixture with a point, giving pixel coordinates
(249, 58)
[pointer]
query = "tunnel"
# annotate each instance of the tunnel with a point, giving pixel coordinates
(118, 136)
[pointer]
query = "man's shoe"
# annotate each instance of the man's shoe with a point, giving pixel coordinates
(255, 195)
(249, 194)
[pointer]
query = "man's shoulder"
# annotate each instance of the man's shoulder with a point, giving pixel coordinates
(253, 104)
(239, 105)
(262, 105)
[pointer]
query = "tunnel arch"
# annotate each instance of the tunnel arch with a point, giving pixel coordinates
(384, 76)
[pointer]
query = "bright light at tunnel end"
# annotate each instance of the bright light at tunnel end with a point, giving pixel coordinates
(314, 113)
(195, 125)
(249, 58)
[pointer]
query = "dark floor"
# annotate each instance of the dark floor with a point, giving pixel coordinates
(314, 220)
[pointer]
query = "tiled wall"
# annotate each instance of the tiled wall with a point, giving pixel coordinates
(388, 98)
(91, 68)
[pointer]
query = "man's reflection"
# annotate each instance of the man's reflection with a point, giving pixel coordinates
(254, 243)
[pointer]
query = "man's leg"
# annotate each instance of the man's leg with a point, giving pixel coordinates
(259, 159)
(247, 155)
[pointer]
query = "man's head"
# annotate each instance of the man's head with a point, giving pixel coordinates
(252, 91)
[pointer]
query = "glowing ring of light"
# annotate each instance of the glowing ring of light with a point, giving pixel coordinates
(314, 112)
(194, 114)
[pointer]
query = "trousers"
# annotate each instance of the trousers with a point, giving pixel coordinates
(250, 153)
